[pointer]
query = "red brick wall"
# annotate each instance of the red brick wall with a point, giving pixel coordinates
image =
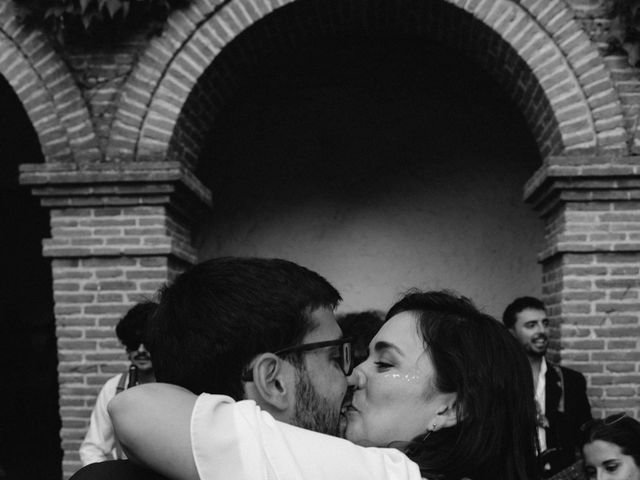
(117, 235)
(90, 296)
(594, 302)
(591, 272)
(560, 61)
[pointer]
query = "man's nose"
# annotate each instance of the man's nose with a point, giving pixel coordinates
(142, 348)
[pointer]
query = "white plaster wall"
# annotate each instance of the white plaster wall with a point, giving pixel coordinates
(381, 183)
(470, 235)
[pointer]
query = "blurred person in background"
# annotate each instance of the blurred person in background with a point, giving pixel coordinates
(560, 392)
(361, 327)
(611, 448)
(100, 443)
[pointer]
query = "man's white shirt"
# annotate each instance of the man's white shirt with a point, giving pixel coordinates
(541, 398)
(238, 440)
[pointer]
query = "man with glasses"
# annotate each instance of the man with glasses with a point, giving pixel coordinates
(243, 327)
(254, 328)
(99, 443)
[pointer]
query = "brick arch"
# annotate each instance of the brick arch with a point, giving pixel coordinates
(534, 48)
(47, 91)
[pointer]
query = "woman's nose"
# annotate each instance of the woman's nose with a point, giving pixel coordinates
(357, 378)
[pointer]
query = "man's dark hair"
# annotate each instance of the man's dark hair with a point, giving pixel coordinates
(476, 357)
(518, 305)
(131, 328)
(215, 318)
(362, 327)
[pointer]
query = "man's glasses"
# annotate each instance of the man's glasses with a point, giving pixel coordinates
(133, 346)
(610, 420)
(344, 350)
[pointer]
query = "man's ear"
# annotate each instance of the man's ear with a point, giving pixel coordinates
(447, 414)
(271, 383)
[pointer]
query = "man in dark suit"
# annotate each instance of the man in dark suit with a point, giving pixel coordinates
(561, 395)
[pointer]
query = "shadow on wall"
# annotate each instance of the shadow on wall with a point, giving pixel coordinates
(29, 419)
(382, 164)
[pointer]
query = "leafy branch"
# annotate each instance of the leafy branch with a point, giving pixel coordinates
(626, 22)
(75, 19)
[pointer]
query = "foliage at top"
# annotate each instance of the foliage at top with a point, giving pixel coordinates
(70, 20)
(623, 35)
(627, 15)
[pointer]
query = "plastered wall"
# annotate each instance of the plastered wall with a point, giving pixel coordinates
(380, 178)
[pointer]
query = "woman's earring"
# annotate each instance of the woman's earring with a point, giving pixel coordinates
(429, 432)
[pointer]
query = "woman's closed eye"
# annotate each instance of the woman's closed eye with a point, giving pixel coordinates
(611, 466)
(381, 365)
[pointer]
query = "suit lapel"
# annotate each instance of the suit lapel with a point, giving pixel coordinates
(553, 391)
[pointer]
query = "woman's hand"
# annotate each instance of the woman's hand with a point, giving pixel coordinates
(152, 424)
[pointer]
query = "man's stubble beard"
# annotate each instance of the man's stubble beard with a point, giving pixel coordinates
(535, 355)
(313, 412)
(532, 351)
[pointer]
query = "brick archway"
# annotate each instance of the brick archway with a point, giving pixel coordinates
(47, 91)
(535, 49)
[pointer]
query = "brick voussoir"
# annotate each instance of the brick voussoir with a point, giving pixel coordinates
(589, 63)
(597, 87)
(161, 51)
(230, 20)
(575, 125)
(552, 9)
(574, 41)
(188, 67)
(179, 26)
(615, 136)
(153, 134)
(560, 20)
(579, 140)
(514, 29)
(594, 75)
(570, 112)
(240, 12)
(199, 51)
(608, 124)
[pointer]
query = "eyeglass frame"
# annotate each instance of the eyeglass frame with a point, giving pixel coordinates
(138, 343)
(347, 342)
(607, 421)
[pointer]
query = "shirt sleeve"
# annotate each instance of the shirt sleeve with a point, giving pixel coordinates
(239, 440)
(99, 442)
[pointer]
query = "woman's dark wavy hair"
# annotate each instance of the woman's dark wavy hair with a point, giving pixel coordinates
(477, 358)
(623, 432)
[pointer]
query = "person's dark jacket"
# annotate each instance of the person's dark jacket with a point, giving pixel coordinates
(566, 409)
